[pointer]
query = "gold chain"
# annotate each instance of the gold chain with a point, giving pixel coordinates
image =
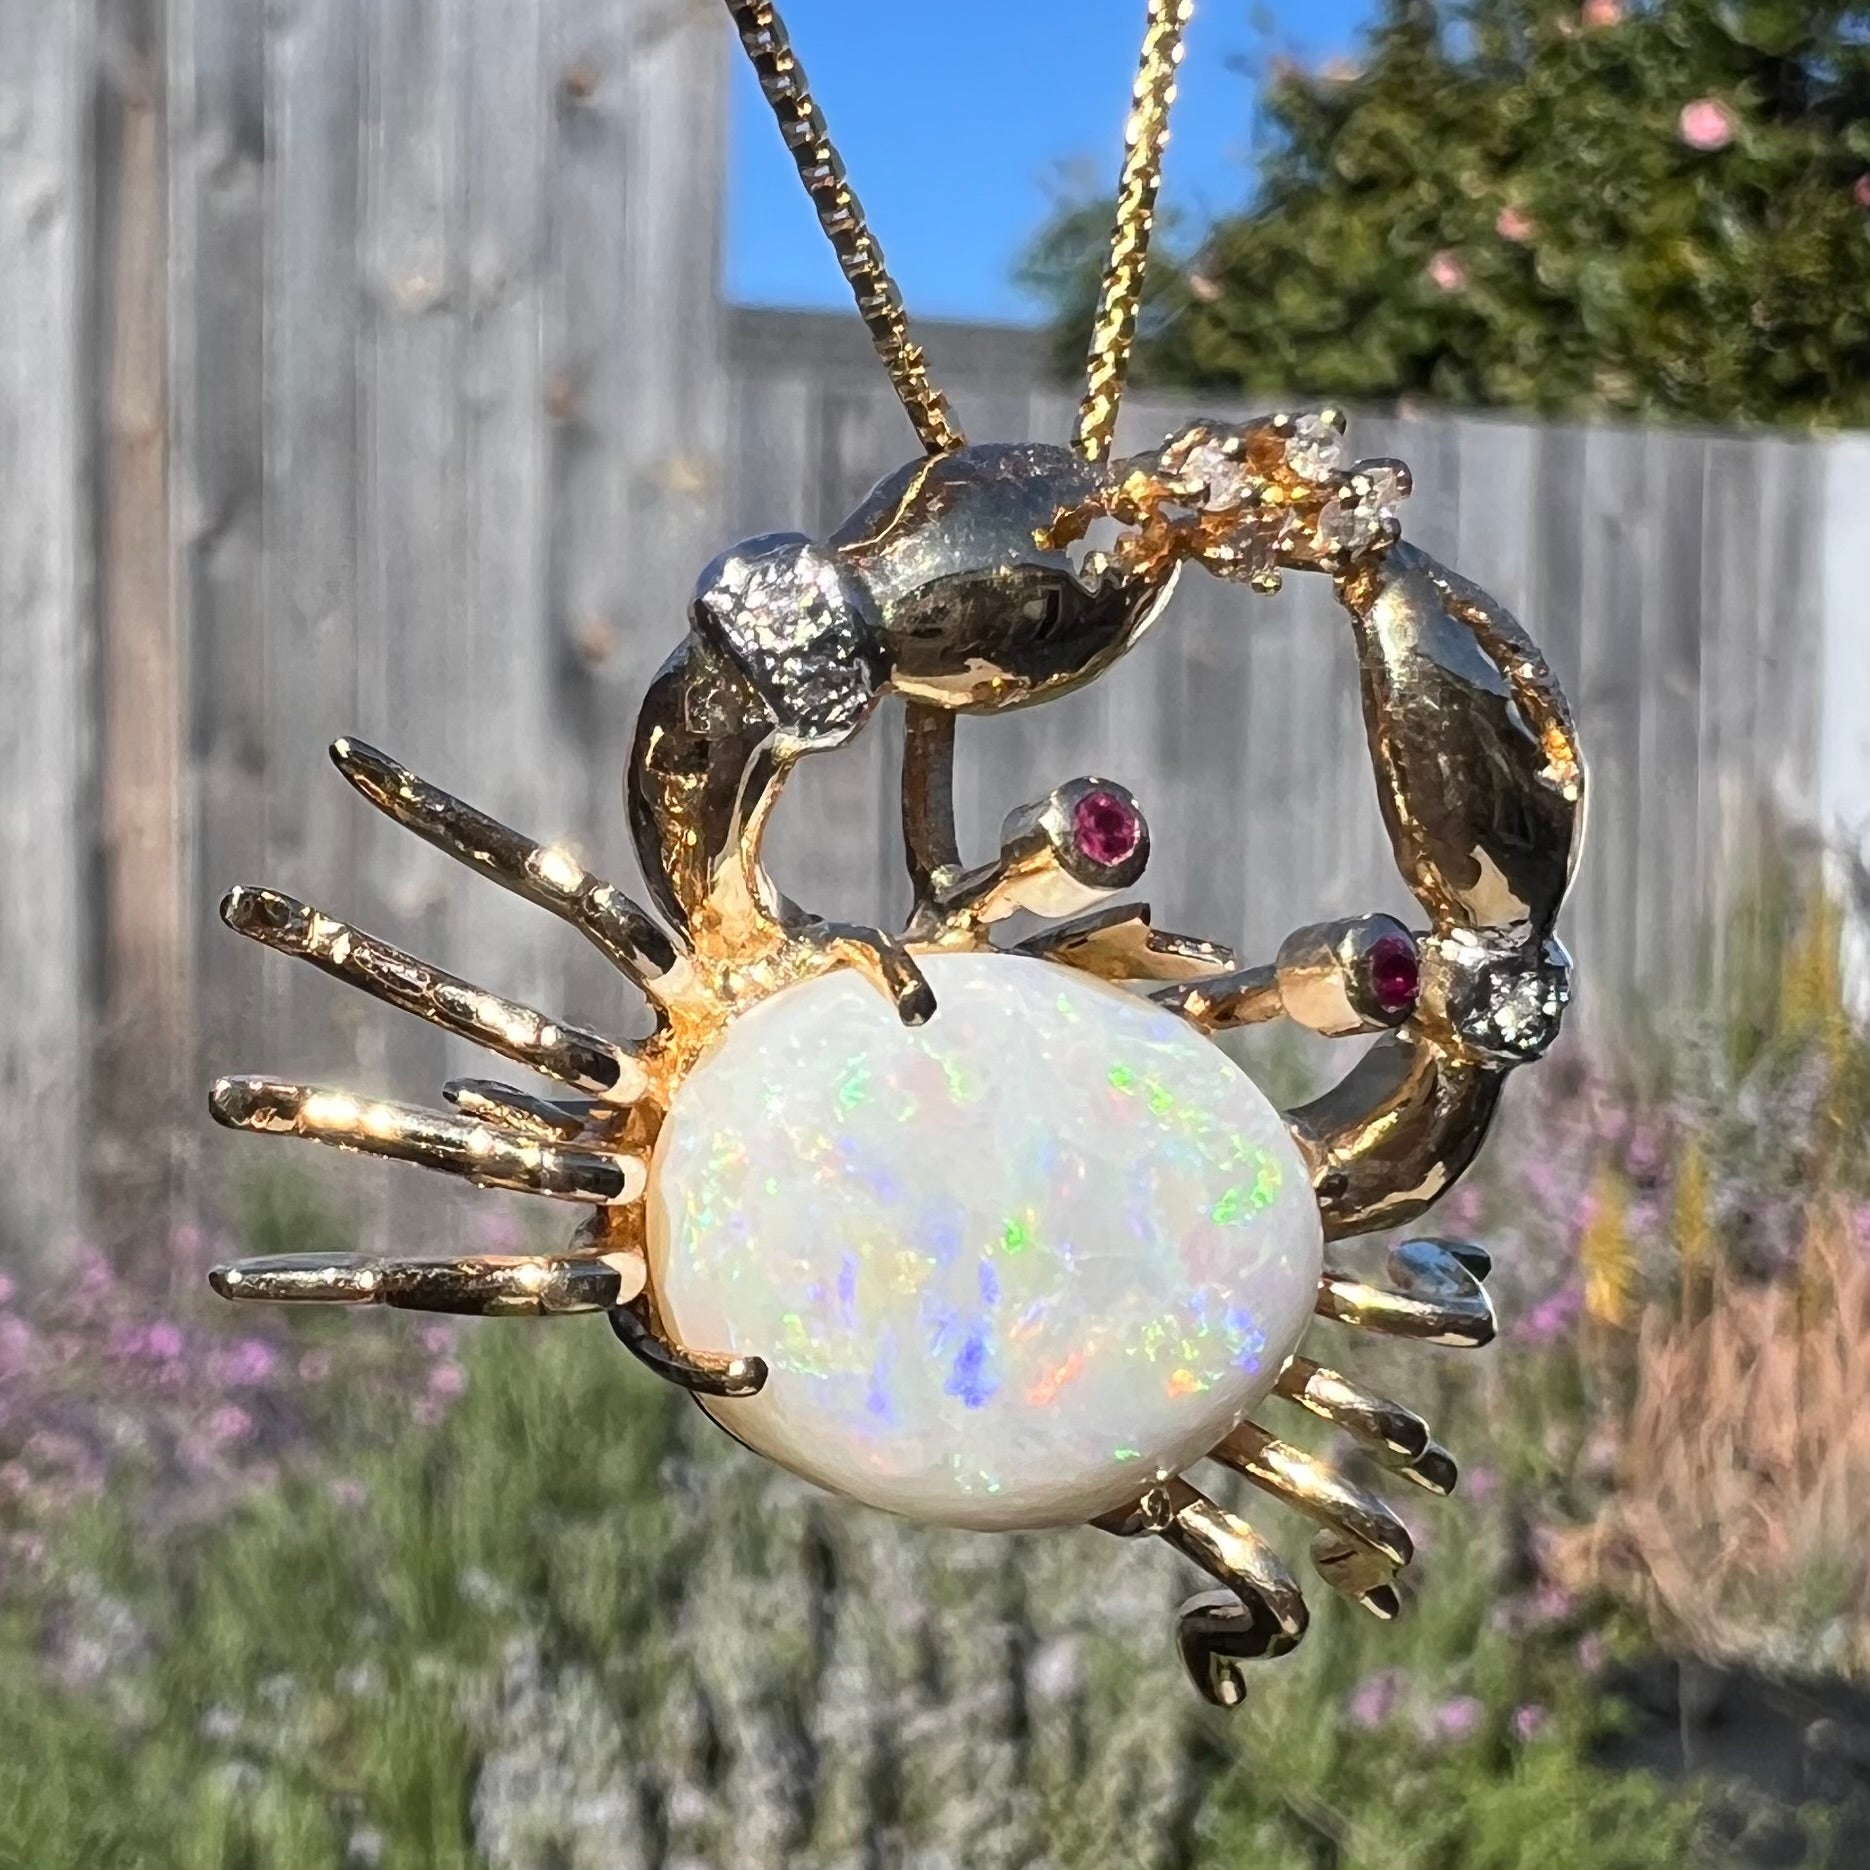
(841, 215)
(1143, 139)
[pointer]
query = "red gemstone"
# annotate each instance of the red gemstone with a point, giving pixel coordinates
(1391, 968)
(1105, 828)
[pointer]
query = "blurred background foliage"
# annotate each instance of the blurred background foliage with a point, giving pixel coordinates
(1658, 210)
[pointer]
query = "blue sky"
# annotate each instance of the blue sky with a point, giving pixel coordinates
(960, 121)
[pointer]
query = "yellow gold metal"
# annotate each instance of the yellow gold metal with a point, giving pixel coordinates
(541, 873)
(1040, 869)
(1362, 1545)
(802, 124)
(451, 1145)
(524, 1114)
(553, 1048)
(1438, 1297)
(1260, 1614)
(1120, 944)
(1145, 135)
(976, 580)
(1388, 1433)
(482, 1285)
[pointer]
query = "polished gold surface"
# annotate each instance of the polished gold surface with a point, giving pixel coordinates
(553, 1048)
(483, 1285)
(980, 579)
(841, 215)
(1145, 135)
(1386, 1432)
(401, 1133)
(541, 873)
(1438, 1297)
(1361, 1546)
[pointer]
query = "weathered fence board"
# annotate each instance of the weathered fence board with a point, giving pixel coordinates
(45, 595)
(422, 420)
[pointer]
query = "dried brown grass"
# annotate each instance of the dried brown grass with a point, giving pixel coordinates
(1738, 1521)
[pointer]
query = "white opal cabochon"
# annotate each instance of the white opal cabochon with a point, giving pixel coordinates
(1006, 1269)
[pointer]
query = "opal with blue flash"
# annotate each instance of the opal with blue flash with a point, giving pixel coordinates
(1007, 1269)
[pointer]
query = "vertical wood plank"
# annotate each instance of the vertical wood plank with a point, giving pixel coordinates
(411, 531)
(311, 453)
(216, 70)
(142, 1093)
(45, 520)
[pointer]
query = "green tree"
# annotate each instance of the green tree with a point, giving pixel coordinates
(1659, 209)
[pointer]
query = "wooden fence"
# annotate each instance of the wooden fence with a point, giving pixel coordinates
(362, 367)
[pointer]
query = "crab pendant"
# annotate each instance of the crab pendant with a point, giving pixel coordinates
(996, 1236)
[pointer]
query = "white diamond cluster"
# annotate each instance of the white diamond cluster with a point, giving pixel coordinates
(1340, 513)
(1007, 1269)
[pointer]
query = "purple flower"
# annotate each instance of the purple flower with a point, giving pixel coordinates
(1552, 1603)
(437, 1339)
(447, 1381)
(1455, 1719)
(228, 1424)
(1593, 1653)
(1374, 1699)
(1530, 1720)
(163, 1341)
(1481, 1484)
(7, 1289)
(314, 1366)
(250, 1363)
(348, 1493)
(1552, 1318)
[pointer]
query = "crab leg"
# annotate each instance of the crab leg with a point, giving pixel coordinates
(543, 874)
(1438, 1297)
(702, 1373)
(546, 1120)
(1260, 1614)
(452, 1145)
(1118, 943)
(553, 1048)
(1362, 1544)
(1393, 1436)
(484, 1285)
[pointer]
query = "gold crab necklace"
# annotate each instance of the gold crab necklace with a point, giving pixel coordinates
(994, 1236)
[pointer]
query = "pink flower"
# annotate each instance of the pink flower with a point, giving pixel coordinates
(1707, 124)
(1374, 1699)
(348, 1493)
(1860, 191)
(427, 1411)
(7, 1289)
(1455, 1719)
(1530, 1720)
(1511, 224)
(228, 1424)
(1481, 1484)
(1202, 289)
(1552, 1603)
(447, 1381)
(314, 1366)
(1446, 271)
(18, 1342)
(437, 1338)
(1551, 1319)
(250, 1363)
(1593, 1653)
(163, 1341)
(1602, 12)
